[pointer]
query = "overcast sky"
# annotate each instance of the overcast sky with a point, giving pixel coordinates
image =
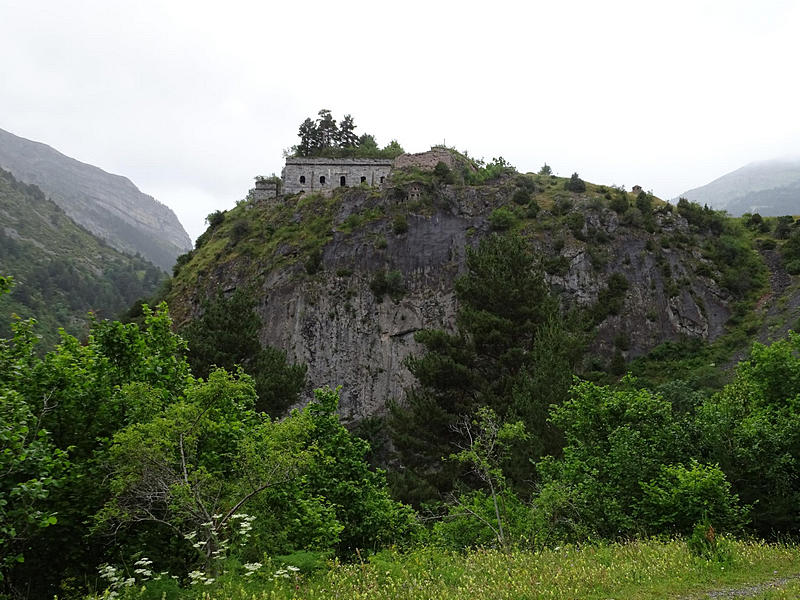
(191, 100)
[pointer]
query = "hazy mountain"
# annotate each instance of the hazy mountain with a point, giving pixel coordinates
(110, 206)
(61, 271)
(770, 188)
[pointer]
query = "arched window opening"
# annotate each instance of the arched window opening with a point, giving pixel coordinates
(302, 178)
(363, 179)
(322, 179)
(342, 181)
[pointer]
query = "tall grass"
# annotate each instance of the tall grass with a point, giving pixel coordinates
(635, 570)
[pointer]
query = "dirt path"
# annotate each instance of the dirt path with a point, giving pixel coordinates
(747, 591)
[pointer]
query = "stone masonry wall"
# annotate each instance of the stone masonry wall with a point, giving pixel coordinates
(373, 170)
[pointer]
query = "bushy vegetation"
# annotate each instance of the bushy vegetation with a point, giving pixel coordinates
(114, 451)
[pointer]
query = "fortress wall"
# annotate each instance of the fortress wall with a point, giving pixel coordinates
(352, 169)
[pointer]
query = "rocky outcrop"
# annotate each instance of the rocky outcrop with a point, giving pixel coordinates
(332, 321)
(109, 206)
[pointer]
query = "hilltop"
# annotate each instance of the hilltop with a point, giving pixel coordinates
(343, 279)
(110, 206)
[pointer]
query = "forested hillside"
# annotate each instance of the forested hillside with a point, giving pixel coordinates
(110, 206)
(61, 270)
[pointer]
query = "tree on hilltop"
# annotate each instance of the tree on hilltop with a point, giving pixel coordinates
(324, 137)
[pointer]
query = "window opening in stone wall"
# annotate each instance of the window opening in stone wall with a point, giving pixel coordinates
(342, 181)
(381, 178)
(302, 178)
(363, 179)
(322, 179)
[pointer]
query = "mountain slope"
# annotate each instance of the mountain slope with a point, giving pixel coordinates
(110, 206)
(61, 271)
(342, 282)
(770, 188)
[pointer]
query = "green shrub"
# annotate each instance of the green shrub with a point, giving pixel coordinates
(556, 265)
(215, 218)
(467, 523)
(521, 196)
(533, 210)
(313, 263)
(619, 203)
(704, 543)
(793, 267)
(575, 184)
(682, 496)
(400, 224)
(562, 206)
(575, 221)
(443, 173)
(502, 219)
(644, 202)
(239, 230)
(387, 283)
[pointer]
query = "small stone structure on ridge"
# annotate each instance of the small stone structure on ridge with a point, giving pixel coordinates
(320, 174)
(301, 175)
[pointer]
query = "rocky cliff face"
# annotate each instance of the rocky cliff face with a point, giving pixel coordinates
(313, 263)
(110, 206)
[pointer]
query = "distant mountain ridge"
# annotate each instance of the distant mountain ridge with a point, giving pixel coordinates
(770, 188)
(61, 271)
(110, 206)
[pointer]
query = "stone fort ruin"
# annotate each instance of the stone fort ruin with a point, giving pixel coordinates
(326, 174)
(319, 174)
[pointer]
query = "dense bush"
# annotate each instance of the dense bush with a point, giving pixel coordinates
(501, 219)
(575, 184)
(400, 224)
(390, 282)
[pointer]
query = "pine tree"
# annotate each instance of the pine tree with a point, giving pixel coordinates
(511, 351)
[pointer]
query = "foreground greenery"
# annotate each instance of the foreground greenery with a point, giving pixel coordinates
(634, 570)
(131, 454)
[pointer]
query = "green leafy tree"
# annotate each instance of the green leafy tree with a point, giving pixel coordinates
(327, 131)
(226, 335)
(681, 497)
(84, 393)
(483, 447)
(339, 473)
(309, 139)
(545, 170)
(616, 439)
(194, 467)
(752, 430)
(31, 466)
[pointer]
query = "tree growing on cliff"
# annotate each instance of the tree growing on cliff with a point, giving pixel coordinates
(226, 335)
(511, 351)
